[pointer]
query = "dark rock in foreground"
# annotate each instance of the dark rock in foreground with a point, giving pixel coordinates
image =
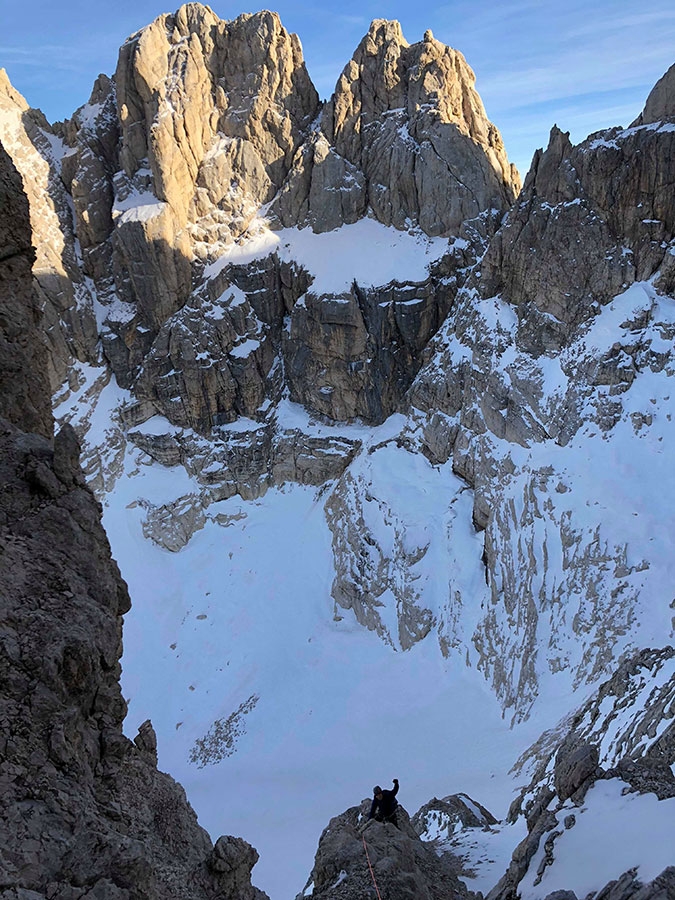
(403, 866)
(85, 813)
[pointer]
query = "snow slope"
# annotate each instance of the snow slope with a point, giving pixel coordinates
(634, 830)
(367, 252)
(244, 614)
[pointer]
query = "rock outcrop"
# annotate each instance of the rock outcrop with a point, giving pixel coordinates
(613, 737)
(171, 162)
(354, 854)
(85, 811)
(601, 215)
(630, 719)
(443, 817)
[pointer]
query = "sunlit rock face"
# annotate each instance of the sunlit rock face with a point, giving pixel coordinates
(207, 124)
(64, 295)
(406, 134)
(410, 118)
(215, 109)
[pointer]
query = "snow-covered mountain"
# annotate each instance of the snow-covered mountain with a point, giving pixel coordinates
(383, 449)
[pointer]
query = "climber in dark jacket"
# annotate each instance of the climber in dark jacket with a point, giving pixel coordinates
(384, 804)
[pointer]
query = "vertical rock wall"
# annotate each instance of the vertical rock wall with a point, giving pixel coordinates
(85, 811)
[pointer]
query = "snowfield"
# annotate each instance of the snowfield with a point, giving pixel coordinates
(366, 252)
(243, 613)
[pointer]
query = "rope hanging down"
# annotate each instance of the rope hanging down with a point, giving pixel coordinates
(372, 874)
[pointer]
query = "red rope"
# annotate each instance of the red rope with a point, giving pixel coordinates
(372, 874)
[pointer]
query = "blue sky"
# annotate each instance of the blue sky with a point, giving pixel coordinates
(581, 65)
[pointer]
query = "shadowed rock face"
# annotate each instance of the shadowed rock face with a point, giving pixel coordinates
(590, 221)
(85, 811)
(24, 392)
(604, 739)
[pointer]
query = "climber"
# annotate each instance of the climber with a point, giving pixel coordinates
(384, 804)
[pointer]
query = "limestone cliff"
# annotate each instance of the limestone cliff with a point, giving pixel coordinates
(526, 366)
(601, 216)
(168, 164)
(211, 125)
(515, 516)
(70, 327)
(406, 135)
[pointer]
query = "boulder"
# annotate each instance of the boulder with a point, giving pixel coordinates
(233, 859)
(576, 766)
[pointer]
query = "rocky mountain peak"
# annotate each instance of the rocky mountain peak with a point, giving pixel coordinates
(378, 67)
(547, 161)
(215, 110)
(9, 91)
(511, 519)
(408, 116)
(660, 104)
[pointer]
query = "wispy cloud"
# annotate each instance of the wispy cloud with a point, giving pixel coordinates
(361, 21)
(46, 56)
(627, 23)
(577, 72)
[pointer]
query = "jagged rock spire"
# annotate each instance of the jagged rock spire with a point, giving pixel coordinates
(406, 134)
